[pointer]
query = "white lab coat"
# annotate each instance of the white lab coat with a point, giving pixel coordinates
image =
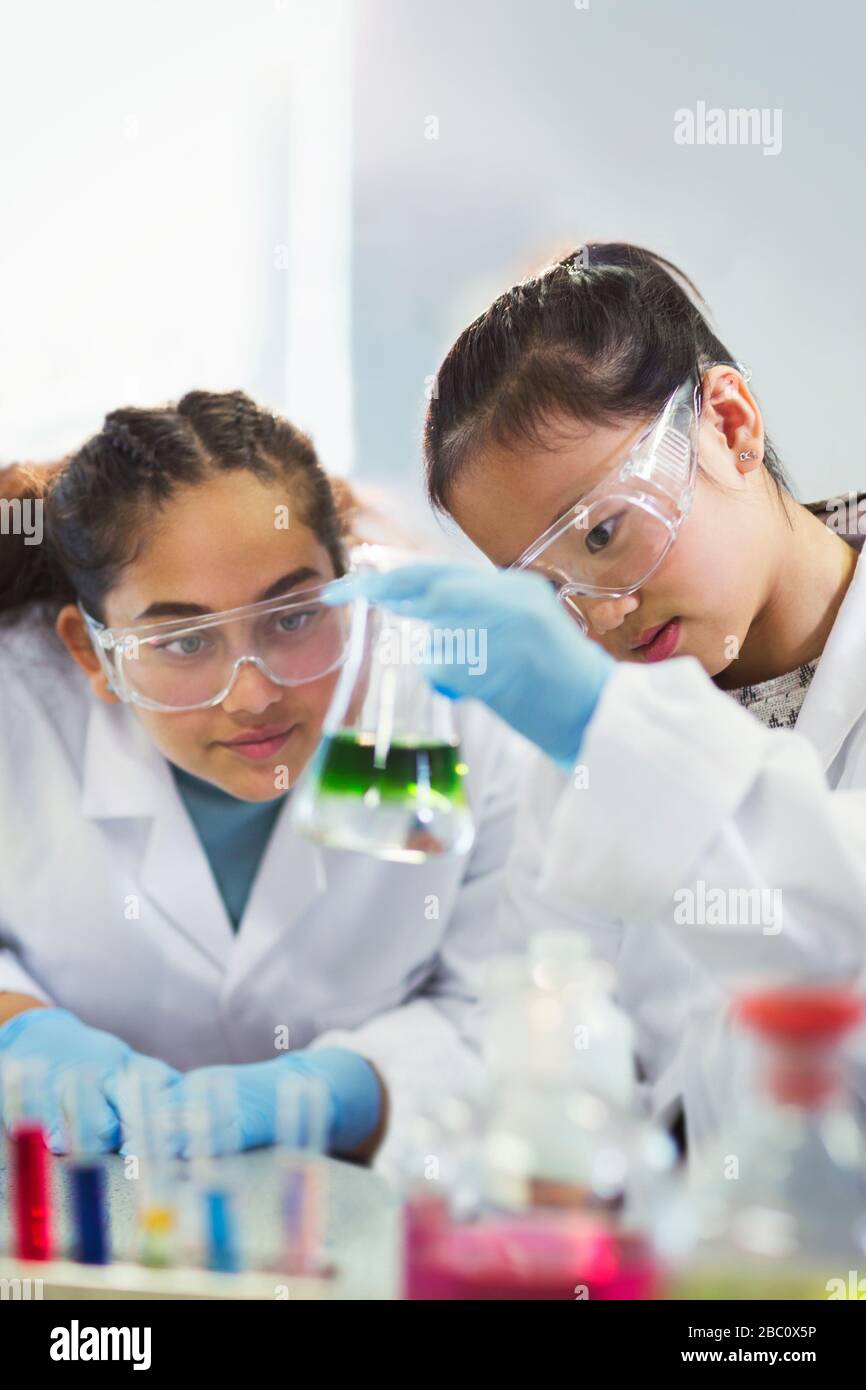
(685, 786)
(108, 906)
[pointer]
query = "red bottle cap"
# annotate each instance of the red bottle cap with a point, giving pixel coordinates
(801, 1014)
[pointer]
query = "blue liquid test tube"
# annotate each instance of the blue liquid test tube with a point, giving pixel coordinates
(222, 1246)
(89, 1206)
(211, 1108)
(82, 1112)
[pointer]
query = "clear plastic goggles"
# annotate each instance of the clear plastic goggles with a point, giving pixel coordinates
(192, 663)
(614, 539)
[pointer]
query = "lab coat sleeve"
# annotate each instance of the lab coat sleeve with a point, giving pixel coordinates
(16, 723)
(15, 980)
(430, 1043)
(528, 903)
(685, 794)
(688, 793)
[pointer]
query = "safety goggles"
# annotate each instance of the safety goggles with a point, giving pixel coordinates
(615, 538)
(192, 663)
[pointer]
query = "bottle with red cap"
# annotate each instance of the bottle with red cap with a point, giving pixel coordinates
(778, 1204)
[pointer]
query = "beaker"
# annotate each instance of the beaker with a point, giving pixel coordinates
(388, 777)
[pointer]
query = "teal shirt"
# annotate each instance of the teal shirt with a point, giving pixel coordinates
(233, 833)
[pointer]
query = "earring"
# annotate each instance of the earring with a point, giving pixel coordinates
(749, 454)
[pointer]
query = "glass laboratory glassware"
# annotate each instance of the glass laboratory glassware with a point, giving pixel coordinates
(85, 1169)
(439, 1174)
(150, 1145)
(387, 777)
(542, 1187)
(777, 1205)
(25, 1088)
(301, 1130)
(210, 1111)
(561, 1060)
(460, 1243)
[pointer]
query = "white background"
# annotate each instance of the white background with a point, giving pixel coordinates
(240, 192)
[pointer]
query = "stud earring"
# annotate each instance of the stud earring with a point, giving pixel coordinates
(749, 454)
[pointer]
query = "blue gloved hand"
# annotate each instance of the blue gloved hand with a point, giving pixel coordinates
(542, 676)
(352, 1089)
(66, 1045)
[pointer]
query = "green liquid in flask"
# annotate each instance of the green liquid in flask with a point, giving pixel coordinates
(407, 769)
(405, 804)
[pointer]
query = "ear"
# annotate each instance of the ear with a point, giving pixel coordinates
(731, 410)
(72, 631)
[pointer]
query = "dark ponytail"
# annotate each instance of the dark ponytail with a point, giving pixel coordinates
(604, 334)
(28, 570)
(97, 505)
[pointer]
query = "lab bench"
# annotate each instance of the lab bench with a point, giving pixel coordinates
(360, 1246)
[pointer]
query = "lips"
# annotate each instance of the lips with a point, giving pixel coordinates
(660, 642)
(259, 743)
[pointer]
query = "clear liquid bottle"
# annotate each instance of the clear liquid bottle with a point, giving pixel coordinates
(561, 1060)
(567, 1148)
(777, 1205)
(388, 777)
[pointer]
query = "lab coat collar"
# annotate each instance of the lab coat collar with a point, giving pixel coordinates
(836, 698)
(125, 775)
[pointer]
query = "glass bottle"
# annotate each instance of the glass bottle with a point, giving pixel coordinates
(777, 1204)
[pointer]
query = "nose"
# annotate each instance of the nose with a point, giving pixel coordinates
(605, 614)
(251, 692)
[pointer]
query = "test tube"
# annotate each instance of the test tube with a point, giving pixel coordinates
(150, 1139)
(25, 1088)
(211, 1107)
(81, 1096)
(301, 1132)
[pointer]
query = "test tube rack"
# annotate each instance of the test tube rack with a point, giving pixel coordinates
(65, 1279)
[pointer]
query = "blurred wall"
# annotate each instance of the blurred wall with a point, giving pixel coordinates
(309, 198)
(555, 124)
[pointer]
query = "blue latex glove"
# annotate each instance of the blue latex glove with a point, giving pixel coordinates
(354, 1099)
(543, 677)
(66, 1045)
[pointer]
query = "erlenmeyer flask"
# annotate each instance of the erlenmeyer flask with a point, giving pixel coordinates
(387, 777)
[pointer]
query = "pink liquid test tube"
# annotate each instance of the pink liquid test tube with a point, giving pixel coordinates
(425, 1221)
(301, 1132)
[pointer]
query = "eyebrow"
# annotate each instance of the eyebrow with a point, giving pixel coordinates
(563, 511)
(170, 608)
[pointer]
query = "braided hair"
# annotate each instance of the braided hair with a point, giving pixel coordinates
(100, 499)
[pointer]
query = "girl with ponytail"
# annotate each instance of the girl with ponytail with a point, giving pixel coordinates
(682, 639)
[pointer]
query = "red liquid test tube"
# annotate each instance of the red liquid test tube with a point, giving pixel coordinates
(32, 1195)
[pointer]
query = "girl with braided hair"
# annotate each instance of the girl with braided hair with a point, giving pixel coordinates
(155, 899)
